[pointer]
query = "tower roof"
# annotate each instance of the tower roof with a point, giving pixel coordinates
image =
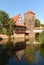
(30, 11)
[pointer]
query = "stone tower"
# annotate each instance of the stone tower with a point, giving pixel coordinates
(29, 18)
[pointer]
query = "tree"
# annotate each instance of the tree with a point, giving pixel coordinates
(6, 27)
(10, 27)
(42, 25)
(6, 24)
(3, 17)
(41, 37)
(37, 23)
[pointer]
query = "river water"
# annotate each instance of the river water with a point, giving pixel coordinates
(33, 55)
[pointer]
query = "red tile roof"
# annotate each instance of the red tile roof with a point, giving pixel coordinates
(16, 17)
(19, 24)
(29, 11)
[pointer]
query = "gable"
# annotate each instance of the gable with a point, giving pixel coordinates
(19, 20)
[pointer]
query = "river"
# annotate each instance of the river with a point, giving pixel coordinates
(33, 55)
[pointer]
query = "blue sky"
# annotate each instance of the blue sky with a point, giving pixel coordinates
(14, 7)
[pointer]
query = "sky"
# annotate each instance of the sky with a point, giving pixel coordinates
(14, 7)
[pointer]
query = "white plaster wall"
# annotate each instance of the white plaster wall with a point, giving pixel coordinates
(38, 31)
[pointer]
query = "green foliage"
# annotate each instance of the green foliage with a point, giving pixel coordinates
(6, 24)
(3, 20)
(37, 37)
(3, 17)
(41, 37)
(42, 25)
(8, 46)
(37, 23)
(6, 27)
(11, 26)
(0, 30)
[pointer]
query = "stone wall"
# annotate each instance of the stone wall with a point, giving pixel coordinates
(29, 19)
(18, 37)
(4, 38)
(15, 38)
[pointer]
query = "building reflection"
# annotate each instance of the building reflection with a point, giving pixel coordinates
(29, 53)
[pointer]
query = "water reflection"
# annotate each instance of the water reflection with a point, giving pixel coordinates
(42, 51)
(4, 58)
(8, 52)
(29, 54)
(32, 55)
